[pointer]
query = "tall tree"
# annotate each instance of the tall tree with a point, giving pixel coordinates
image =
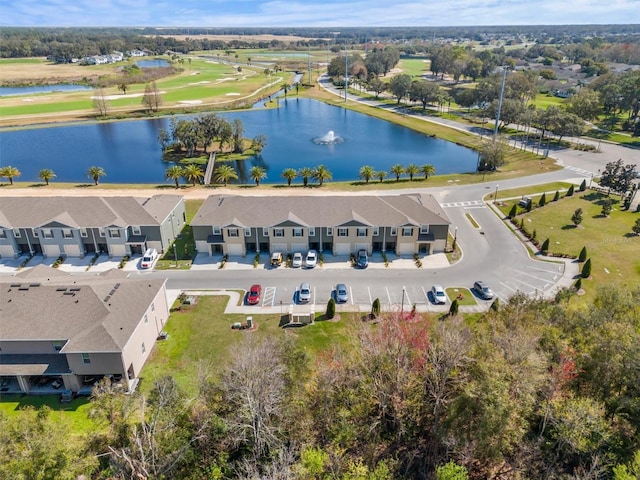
(381, 175)
(427, 170)
(224, 173)
(152, 98)
(289, 174)
(306, 173)
(366, 173)
(95, 173)
(257, 173)
(192, 173)
(400, 86)
(100, 103)
(174, 172)
(397, 170)
(321, 173)
(46, 174)
(237, 129)
(412, 169)
(258, 143)
(10, 173)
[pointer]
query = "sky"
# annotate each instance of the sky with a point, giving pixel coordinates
(314, 13)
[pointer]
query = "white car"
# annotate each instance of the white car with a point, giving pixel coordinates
(439, 295)
(148, 258)
(311, 260)
(297, 260)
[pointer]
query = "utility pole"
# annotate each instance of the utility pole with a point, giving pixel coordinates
(495, 128)
(309, 60)
(346, 75)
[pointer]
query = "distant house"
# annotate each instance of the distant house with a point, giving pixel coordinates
(65, 332)
(75, 226)
(402, 224)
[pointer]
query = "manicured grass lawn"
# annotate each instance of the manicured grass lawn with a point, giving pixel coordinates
(534, 191)
(414, 67)
(468, 298)
(611, 245)
(614, 137)
(184, 245)
(543, 100)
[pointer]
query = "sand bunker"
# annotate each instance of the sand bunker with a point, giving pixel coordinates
(190, 102)
(232, 94)
(200, 83)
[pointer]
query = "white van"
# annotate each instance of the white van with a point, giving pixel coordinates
(148, 258)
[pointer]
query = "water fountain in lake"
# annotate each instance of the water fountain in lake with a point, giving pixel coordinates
(329, 139)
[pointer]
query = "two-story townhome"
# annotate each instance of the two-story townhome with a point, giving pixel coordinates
(240, 225)
(64, 332)
(75, 226)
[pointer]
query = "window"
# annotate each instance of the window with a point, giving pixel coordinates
(136, 230)
(376, 231)
(67, 233)
(407, 231)
(278, 232)
(3, 234)
(265, 232)
(47, 233)
(114, 232)
(57, 345)
(247, 232)
(394, 231)
(146, 318)
(86, 358)
(144, 349)
(17, 234)
(216, 230)
(343, 232)
(329, 231)
(153, 307)
(424, 229)
(103, 232)
(83, 232)
(232, 232)
(297, 232)
(362, 232)
(312, 231)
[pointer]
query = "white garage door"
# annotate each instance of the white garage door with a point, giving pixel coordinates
(6, 251)
(342, 248)
(362, 246)
(72, 250)
(405, 249)
(118, 250)
(234, 249)
(279, 247)
(299, 247)
(51, 250)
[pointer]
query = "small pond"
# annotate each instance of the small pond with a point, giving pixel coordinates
(31, 90)
(155, 63)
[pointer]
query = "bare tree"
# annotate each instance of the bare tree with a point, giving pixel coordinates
(100, 103)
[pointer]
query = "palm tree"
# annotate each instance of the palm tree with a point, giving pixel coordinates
(289, 174)
(257, 173)
(192, 173)
(367, 173)
(174, 172)
(321, 174)
(397, 170)
(46, 174)
(381, 174)
(412, 169)
(95, 173)
(224, 173)
(305, 173)
(285, 87)
(10, 173)
(428, 170)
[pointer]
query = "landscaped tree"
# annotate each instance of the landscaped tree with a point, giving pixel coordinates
(289, 174)
(543, 200)
(583, 186)
(100, 102)
(492, 155)
(397, 170)
(586, 269)
(193, 173)
(10, 173)
(424, 92)
(556, 197)
(570, 191)
(123, 88)
(237, 131)
(583, 255)
(576, 218)
(95, 173)
(636, 227)
(381, 175)
(224, 173)
(366, 173)
(46, 174)
(174, 172)
(514, 211)
(400, 85)
(258, 143)
(618, 177)
(306, 173)
(375, 307)
(606, 207)
(331, 309)
(152, 98)
(321, 173)
(427, 170)
(377, 86)
(411, 170)
(257, 173)
(453, 310)
(545, 246)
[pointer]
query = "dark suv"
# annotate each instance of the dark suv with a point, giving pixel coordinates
(362, 259)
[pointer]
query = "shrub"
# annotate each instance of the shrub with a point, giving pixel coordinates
(543, 200)
(583, 255)
(514, 211)
(495, 305)
(576, 218)
(586, 269)
(570, 191)
(529, 206)
(556, 197)
(123, 262)
(256, 260)
(534, 235)
(578, 285)
(384, 258)
(453, 310)
(606, 207)
(583, 186)
(331, 309)
(375, 307)
(545, 246)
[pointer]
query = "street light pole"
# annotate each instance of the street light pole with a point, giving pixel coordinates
(402, 304)
(495, 199)
(495, 128)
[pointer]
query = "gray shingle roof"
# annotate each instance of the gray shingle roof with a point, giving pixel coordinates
(29, 212)
(92, 314)
(383, 210)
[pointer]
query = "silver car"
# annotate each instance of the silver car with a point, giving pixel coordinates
(439, 295)
(304, 294)
(483, 290)
(342, 294)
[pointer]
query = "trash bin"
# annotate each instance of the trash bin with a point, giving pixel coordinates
(249, 322)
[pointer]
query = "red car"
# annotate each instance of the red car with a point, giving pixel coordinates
(253, 298)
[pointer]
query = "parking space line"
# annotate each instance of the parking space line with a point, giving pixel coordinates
(426, 295)
(351, 294)
(370, 299)
(388, 295)
(406, 293)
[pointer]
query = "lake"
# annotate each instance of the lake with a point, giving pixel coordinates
(129, 152)
(156, 63)
(10, 91)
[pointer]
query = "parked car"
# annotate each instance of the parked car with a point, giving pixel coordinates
(483, 290)
(150, 256)
(253, 297)
(297, 260)
(362, 259)
(276, 259)
(342, 294)
(439, 296)
(304, 294)
(311, 259)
